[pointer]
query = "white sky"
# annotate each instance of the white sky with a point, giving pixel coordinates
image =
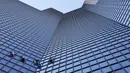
(63, 6)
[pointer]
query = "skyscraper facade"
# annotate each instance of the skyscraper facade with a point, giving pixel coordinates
(81, 41)
(85, 42)
(117, 10)
(25, 32)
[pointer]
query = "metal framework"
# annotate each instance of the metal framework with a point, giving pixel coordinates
(75, 50)
(49, 42)
(117, 10)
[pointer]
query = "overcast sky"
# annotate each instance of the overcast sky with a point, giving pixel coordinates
(63, 6)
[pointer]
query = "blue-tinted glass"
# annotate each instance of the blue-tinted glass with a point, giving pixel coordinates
(112, 61)
(116, 66)
(125, 63)
(86, 70)
(5, 68)
(98, 71)
(13, 71)
(106, 69)
(94, 67)
(90, 39)
(120, 71)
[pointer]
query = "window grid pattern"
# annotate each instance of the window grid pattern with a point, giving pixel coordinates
(83, 42)
(117, 10)
(105, 50)
(21, 29)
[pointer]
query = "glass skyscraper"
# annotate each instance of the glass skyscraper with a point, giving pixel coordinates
(92, 39)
